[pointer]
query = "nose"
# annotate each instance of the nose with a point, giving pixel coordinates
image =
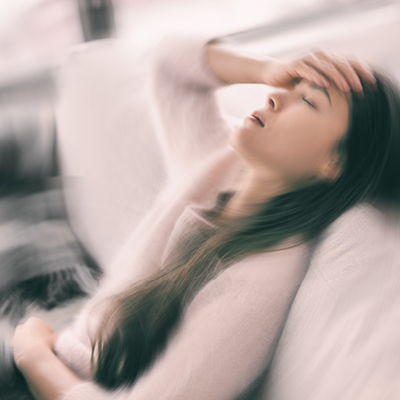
(277, 101)
(273, 102)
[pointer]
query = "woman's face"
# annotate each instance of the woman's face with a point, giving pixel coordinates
(301, 128)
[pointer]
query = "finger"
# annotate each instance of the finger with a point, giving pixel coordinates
(364, 70)
(329, 70)
(346, 69)
(19, 328)
(351, 66)
(353, 70)
(302, 70)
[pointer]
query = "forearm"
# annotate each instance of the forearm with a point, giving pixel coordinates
(233, 65)
(48, 377)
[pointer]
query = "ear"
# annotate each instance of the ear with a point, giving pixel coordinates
(330, 169)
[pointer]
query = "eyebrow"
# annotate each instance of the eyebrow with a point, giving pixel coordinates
(322, 89)
(317, 87)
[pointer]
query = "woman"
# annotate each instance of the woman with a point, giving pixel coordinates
(199, 295)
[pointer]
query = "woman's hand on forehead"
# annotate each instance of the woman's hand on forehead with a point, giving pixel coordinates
(319, 67)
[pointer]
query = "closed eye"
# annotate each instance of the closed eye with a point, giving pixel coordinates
(308, 102)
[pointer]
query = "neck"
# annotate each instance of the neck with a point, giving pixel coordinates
(254, 190)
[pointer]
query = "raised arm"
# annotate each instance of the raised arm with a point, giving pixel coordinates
(186, 72)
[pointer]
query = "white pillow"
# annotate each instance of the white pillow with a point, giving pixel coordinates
(110, 161)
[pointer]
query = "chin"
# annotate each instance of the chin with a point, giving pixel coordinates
(241, 139)
(242, 148)
(237, 141)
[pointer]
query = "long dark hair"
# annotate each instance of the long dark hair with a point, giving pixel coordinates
(138, 322)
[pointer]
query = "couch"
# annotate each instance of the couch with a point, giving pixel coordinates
(342, 336)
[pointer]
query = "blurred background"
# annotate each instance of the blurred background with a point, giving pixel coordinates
(37, 35)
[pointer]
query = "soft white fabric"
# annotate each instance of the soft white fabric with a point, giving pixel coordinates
(230, 330)
(341, 339)
(111, 162)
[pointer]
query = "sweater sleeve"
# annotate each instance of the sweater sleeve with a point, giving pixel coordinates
(226, 338)
(188, 120)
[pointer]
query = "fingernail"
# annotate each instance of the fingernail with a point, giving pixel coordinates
(345, 87)
(358, 86)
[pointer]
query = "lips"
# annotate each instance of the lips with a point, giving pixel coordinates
(259, 118)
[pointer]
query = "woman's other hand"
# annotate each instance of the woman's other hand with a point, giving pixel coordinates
(31, 340)
(318, 67)
(47, 377)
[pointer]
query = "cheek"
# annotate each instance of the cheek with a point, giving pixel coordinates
(295, 155)
(293, 146)
(293, 140)
(307, 149)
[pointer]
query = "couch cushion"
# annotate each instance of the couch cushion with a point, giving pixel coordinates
(341, 339)
(110, 161)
